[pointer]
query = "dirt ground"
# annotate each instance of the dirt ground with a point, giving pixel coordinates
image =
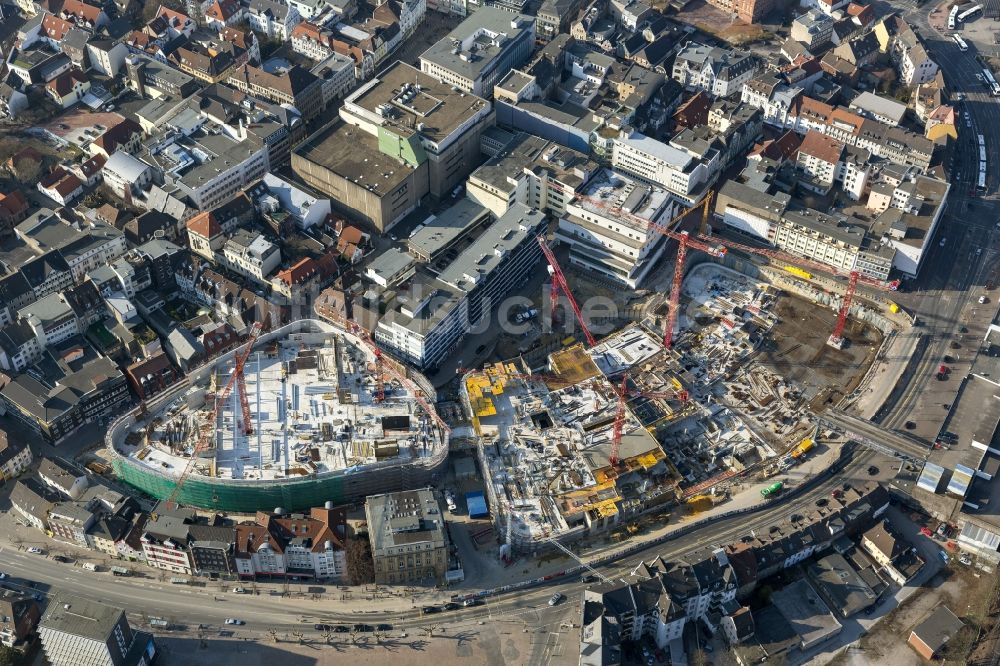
(717, 22)
(958, 589)
(797, 349)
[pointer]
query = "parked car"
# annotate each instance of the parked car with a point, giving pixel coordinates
(2, 575)
(555, 598)
(341, 629)
(926, 532)
(321, 627)
(233, 620)
(471, 602)
(35, 551)
(965, 559)
(62, 558)
(363, 627)
(383, 627)
(427, 610)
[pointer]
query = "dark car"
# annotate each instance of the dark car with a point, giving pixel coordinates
(362, 627)
(62, 558)
(341, 629)
(872, 470)
(383, 627)
(451, 605)
(321, 627)
(427, 610)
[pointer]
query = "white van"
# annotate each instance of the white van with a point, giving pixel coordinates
(90, 566)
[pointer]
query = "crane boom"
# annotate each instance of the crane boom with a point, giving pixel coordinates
(558, 277)
(837, 338)
(616, 437)
(555, 542)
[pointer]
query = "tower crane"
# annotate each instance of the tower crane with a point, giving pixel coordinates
(205, 440)
(388, 368)
(559, 279)
(718, 247)
(595, 572)
(684, 241)
(616, 437)
(853, 278)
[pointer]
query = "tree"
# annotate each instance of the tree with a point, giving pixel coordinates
(358, 559)
(9, 656)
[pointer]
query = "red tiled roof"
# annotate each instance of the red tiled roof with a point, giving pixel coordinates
(302, 271)
(821, 147)
(174, 18)
(93, 165)
(61, 181)
(55, 27)
(223, 10)
(63, 84)
(117, 135)
(81, 10)
(205, 225)
(13, 203)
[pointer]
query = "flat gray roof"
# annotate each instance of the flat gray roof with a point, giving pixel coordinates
(446, 228)
(805, 612)
(353, 154)
(404, 518)
(477, 261)
(477, 29)
(79, 616)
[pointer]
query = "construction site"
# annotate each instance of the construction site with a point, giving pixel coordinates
(609, 429)
(290, 420)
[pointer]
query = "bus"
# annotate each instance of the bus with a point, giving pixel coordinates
(968, 12)
(981, 183)
(981, 140)
(982, 154)
(962, 45)
(952, 17)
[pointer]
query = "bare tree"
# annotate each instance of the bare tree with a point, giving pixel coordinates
(354, 635)
(327, 635)
(299, 636)
(430, 629)
(274, 634)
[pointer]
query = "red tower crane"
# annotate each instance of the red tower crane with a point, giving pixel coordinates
(208, 432)
(684, 241)
(559, 279)
(379, 376)
(853, 278)
(241, 360)
(389, 368)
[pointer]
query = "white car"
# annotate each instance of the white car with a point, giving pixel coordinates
(2, 575)
(35, 551)
(982, 299)
(233, 620)
(555, 598)
(943, 241)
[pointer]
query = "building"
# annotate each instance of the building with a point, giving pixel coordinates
(614, 245)
(211, 549)
(80, 632)
(276, 20)
(349, 165)
(666, 165)
(336, 74)
(58, 396)
(33, 501)
(15, 457)
(418, 119)
(19, 616)
(251, 255)
(481, 50)
(70, 521)
(407, 535)
(812, 29)
(882, 109)
(124, 172)
(294, 86)
(61, 186)
(68, 88)
(423, 327)
(165, 541)
(293, 545)
(714, 70)
(62, 478)
(532, 171)
(892, 552)
(931, 635)
(749, 11)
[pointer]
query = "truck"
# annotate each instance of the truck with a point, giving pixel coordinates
(771, 490)
(803, 448)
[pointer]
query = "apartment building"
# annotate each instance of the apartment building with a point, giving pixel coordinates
(481, 50)
(165, 544)
(530, 170)
(606, 227)
(15, 456)
(812, 29)
(251, 254)
(284, 544)
(294, 86)
(748, 11)
(407, 536)
(714, 70)
(19, 616)
(848, 243)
